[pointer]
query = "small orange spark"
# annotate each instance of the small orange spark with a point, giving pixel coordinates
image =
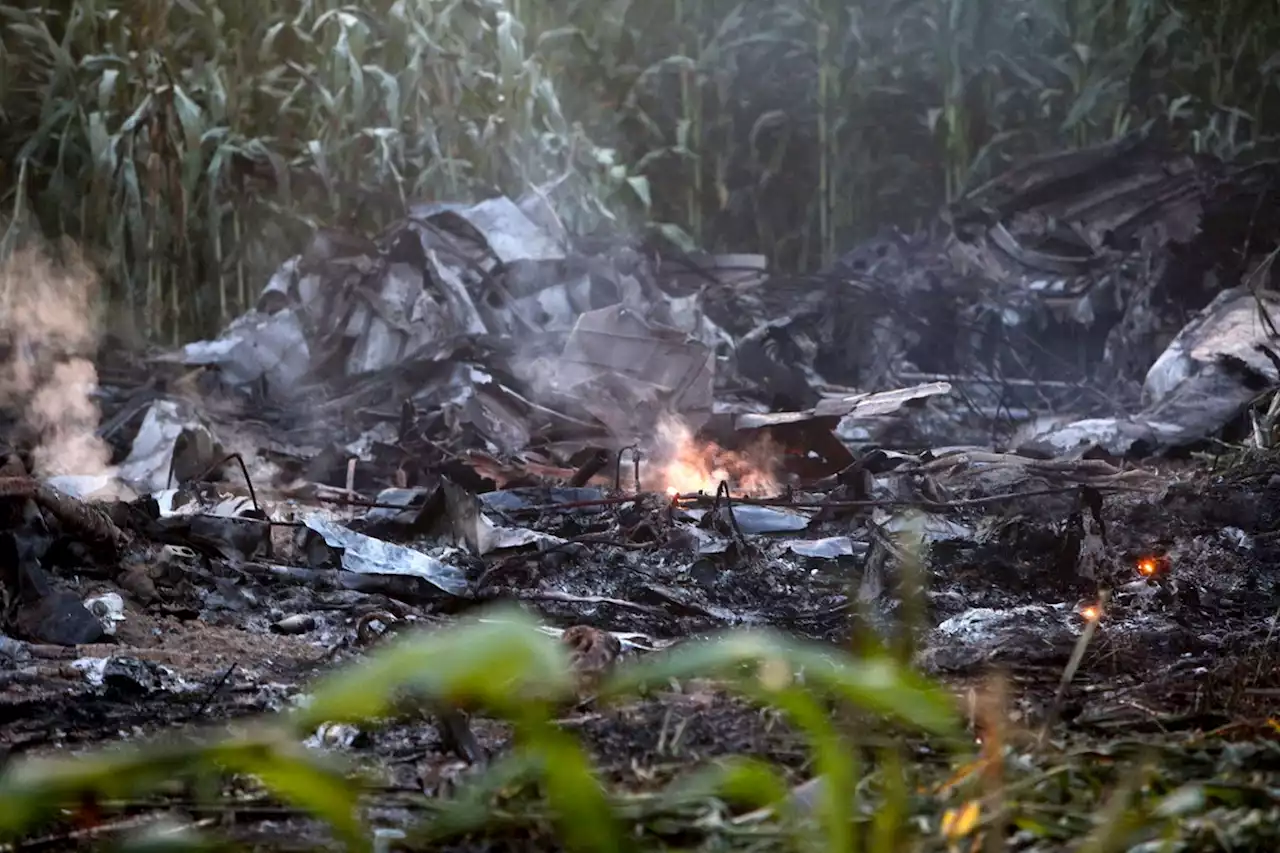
(1091, 613)
(1147, 566)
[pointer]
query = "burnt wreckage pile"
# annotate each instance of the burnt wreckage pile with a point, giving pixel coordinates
(475, 406)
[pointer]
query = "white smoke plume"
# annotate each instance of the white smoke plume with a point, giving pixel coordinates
(48, 338)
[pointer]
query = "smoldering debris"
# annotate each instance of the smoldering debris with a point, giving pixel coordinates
(1047, 296)
(472, 407)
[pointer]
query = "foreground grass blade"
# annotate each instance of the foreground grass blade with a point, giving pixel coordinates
(834, 760)
(32, 791)
(874, 684)
(740, 780)
(304, 779)
(503, 664)
(473, 808)
(583, 813)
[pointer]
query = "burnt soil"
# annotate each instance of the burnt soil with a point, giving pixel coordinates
(1190, 650)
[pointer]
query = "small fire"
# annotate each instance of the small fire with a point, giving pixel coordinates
(683, 465)
(1154, 565)
(1091, 613)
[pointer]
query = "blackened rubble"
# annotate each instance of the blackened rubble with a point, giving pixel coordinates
(640, 448)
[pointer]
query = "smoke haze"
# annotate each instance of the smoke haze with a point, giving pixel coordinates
(48, 338)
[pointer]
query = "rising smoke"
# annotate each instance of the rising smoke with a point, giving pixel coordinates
(48, 338)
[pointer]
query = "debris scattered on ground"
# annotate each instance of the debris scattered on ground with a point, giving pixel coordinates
(469, 408)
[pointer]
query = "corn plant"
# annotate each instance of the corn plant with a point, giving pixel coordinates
(188, 141)
(190, 145)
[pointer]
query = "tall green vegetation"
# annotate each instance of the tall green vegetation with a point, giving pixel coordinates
(189, 143)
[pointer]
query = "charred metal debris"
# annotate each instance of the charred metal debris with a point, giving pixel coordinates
(475, 406)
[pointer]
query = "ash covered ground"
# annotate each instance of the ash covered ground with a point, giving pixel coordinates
(638, 451)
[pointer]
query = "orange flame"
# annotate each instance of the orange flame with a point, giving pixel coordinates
(1147, 566)
(683, 465)
(1091, 613)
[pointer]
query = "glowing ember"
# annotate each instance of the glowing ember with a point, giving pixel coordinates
(1147, 566)
(681, 465)
(1091, 613)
